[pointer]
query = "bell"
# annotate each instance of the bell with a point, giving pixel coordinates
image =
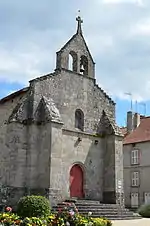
(82, 69)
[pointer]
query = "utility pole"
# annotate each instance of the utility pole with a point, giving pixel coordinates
(136, 106)
(129, 94)
(144, 105)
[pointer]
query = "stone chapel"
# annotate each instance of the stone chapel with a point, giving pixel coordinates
(58, 137)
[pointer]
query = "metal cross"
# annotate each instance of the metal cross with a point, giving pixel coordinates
(80, 21)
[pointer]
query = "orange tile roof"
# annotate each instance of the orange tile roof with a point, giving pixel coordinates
(140, 134)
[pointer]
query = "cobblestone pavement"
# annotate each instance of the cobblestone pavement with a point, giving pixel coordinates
(139, 222)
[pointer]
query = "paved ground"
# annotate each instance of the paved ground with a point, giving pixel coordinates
(140, 222)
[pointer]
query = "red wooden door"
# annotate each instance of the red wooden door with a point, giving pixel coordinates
(76, 182)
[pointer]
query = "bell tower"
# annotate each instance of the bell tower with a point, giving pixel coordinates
(75, 55)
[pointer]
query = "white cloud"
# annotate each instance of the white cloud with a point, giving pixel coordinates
(117, 35)
(100, 44)
(18, 66)
(31, 57)
(142, 27)
(137, 2)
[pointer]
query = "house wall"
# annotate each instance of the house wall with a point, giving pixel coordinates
(143, 168)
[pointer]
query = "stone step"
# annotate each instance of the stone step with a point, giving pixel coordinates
(99, 210)
(78, 205)
(120, 218)
(100, 207)
(105, 212)
(109, 211)
(87, 202)
(110, 216)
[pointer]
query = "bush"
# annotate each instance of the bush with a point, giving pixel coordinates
(33, 206)
(144, 210)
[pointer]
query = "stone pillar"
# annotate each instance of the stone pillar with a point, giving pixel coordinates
(119, 181)
(113, 170)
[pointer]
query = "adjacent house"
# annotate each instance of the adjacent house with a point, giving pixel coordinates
(136, 149)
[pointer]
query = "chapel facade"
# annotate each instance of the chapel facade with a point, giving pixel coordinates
(58, 137)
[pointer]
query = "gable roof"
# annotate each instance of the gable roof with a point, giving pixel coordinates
(47, 111)
(140, 134)
(13, 95)
(108, 126)
(71, 39)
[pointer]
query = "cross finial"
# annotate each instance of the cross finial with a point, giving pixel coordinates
(80, 21)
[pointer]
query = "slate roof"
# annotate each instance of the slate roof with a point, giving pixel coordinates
(50, 113)
(141, 133)
(124, 130)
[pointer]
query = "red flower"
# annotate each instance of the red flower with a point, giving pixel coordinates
(60, 209)
(8, 209)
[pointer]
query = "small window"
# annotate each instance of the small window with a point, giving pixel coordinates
(135, 157)
(135, 179)
(79, 119)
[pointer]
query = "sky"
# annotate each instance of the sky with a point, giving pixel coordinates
(117, 33)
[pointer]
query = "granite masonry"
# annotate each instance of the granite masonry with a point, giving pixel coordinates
(58, 137)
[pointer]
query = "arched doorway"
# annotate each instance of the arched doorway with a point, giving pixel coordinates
(76, 181)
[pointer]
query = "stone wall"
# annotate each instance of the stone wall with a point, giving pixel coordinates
(67, 150)
(71, 91)
(6, 109)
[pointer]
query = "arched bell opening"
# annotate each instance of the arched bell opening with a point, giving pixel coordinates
(84, 65)
(72, 61)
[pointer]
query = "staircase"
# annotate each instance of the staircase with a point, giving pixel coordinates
(109, 211)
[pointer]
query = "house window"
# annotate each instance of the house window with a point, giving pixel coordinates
(79, 119)
(135, 157)
(135, 179)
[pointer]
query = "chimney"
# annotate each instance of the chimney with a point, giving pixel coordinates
(136, 121)
(130, 117)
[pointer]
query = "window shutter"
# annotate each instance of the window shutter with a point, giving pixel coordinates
(139, 155)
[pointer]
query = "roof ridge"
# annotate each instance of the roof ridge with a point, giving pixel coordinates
(14, 94)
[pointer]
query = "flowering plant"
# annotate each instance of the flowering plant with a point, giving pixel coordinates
(8, 209)
(67, 215)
